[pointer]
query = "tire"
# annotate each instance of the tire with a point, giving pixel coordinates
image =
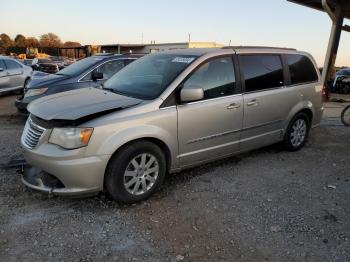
(126, 170)
(297, 132)
(21, 91)
(345, 116)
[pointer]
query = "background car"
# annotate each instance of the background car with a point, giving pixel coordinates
(60, 61)
(45, 65)
(88, 72)
(341, 83)
(13, 74)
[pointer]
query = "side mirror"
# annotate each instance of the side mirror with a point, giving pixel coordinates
(96, 76)
(1, 69)
(191, 94)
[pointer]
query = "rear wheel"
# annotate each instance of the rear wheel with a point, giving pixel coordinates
(297, 132)
(135, 172)
(345, 116)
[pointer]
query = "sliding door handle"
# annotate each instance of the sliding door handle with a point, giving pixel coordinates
(252, 103)
(233, 106)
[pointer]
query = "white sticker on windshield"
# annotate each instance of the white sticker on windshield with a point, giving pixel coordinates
(185, 60)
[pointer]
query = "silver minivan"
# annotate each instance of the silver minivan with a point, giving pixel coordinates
(167, 112)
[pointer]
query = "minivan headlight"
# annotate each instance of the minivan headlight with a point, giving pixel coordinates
(71, 138)
(35, 92)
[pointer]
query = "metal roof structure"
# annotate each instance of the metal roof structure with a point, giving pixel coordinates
(317, 4)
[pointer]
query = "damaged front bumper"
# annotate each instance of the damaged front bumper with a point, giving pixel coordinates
(42, 181)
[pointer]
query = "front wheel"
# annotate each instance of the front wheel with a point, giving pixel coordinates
(345, 116)
(135, 172)
(297, 132)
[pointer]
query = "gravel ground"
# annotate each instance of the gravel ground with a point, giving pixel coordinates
(267, 205)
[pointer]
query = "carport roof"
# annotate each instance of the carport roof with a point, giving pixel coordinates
(317, 4)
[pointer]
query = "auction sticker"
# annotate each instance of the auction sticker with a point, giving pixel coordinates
(185, 60)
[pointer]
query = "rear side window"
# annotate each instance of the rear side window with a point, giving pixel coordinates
(301, 69)
(2, 64)
(11, 64)
(261, 72)
(216, 77)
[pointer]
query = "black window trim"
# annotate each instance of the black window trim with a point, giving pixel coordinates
(267, 89)
(173, 99)
(289, 79)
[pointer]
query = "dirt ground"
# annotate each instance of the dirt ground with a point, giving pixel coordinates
(266, 205)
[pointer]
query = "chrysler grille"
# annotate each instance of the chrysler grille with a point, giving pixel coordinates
(31, 134)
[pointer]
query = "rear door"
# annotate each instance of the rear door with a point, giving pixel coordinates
(267, 102)
(15, 73)
(210, 128)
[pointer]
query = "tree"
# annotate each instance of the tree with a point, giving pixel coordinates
(32, 42)
(71, 44)
(50, 40)
(5, 43)
(20, 41)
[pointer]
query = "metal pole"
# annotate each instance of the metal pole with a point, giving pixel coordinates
(333, 45)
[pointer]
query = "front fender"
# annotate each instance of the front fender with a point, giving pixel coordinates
(118, 139)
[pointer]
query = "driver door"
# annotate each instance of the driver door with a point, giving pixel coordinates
(210, 128)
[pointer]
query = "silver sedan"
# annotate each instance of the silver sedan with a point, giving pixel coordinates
(13, 74)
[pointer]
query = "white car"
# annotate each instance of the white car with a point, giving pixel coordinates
(13, 74)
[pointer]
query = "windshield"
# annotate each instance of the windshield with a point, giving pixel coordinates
(80, 66)
(148, 77)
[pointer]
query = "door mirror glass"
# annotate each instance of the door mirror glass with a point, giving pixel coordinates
(192, 94)
(96, 75)
(1, 69)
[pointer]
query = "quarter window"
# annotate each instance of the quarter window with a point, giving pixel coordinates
(261, 72)
(301, 69)
(216, 77)
(11, 64)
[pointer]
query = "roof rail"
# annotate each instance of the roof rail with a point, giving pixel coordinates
(263, 47)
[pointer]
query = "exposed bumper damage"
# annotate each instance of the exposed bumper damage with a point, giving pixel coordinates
(44, 182)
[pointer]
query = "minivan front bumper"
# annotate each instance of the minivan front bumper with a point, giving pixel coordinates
(70, 177)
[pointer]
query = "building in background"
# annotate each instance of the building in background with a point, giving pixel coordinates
(89, 50)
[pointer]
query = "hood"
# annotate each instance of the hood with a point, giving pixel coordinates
(76, 104)
(40, 79)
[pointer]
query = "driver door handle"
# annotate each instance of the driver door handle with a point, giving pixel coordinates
(233, 106)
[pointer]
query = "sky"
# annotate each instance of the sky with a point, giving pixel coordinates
(246, 22)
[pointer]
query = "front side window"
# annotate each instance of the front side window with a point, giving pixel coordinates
(149, 76)
(301, 69)
(216, 77)
(108, 69)
(261, 72)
